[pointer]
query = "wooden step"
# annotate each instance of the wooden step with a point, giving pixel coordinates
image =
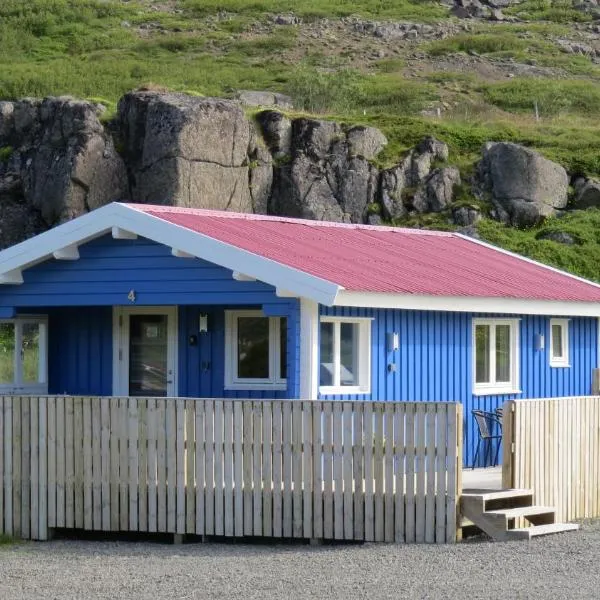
(486, 495)
(522, 511)
(526, 533)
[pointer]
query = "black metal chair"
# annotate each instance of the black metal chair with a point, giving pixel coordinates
(489, 425)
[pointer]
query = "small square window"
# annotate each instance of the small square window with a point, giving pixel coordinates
(345, 356)
(255, 351)
(559, 342)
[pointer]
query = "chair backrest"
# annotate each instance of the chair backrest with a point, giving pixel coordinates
(485, 423)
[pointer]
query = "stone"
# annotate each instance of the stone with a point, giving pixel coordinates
(588, 195)
(290, 19)
(465, 216)
(560, 237)
(7, 122)
(366, 142)
(437, 191)
(264, 98)
(523, 186)
(391, 183)
(276, 130)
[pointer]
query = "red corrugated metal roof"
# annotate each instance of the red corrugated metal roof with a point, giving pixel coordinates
(384, 259)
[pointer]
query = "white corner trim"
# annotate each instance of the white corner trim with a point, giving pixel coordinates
(309, 349)
(67, 253)
(123, 234)
(14, 277)
(507, 306)
(181, 254)
(241, 277)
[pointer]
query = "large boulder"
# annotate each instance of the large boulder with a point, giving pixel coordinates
(437, 191)
(62, 163)
(187, 151)
(588, 195)
(523, 186)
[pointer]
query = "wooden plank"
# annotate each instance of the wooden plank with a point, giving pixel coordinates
(378, 473)
(409, 507)
(369, 474)
(238, 468)
(286, 464)
(132, 461)
(338, 473)
(277, 469)
(200, 482)
(389, 472)
(247, 468)
(60, 461)
(51, 480)
(161, 464)
(16, 471)
(307, 470)
(430, 472)
(2, 482)
(267, 468)
(87, 440)
(229, 523)
(78, 456)
(399, 463)
(328, 530)
(297, 529)
(25, 467)
(34, 468)
(317, 468)
(441, 475)
(42, 469)
(142, 449)
(218, 457)
(420, 472)
(105, 445)
(171, 454)
(180, 466)
(347, 445)
(209, 473)
(115, 462)
(454, 468)
(123, 464)
(7, 484)
(190, 458)
(358, 473)
(257, 468)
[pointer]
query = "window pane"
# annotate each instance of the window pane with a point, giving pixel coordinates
(30, 352)
(482, 354)
(283, 348)
(148, 344)
(348, 354)
(326, 370)
(253, 347)
(503, 353)
(557, 341)
(7, 353)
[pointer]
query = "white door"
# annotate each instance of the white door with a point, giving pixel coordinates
(145, 351)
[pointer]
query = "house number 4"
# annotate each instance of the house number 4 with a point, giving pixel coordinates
(131, 296)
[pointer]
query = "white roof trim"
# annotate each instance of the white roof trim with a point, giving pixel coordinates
(468, 304)
(119, 218)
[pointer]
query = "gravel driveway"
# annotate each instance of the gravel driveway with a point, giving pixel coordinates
(560, 566)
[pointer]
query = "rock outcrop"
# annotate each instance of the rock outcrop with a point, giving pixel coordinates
(523, 186)
(57, 162)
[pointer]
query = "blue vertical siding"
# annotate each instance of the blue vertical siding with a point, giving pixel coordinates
(434, 362)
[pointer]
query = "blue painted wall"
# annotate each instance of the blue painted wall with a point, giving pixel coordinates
(434, 361)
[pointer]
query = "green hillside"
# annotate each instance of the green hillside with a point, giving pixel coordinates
(468, 82)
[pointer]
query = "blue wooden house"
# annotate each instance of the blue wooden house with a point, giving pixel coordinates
(160, 301)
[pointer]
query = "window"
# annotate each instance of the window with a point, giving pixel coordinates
(255, 351)
(559, 342)
(496, 356)
(23, 352)
(345, 356)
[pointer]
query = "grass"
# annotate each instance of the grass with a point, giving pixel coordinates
(5, 540)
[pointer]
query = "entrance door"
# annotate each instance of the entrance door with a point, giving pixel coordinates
(145, 351)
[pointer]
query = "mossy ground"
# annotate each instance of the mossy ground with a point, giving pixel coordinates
(99, 49)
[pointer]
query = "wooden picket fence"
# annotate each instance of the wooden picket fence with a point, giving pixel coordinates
(552, 446)
(275, 468)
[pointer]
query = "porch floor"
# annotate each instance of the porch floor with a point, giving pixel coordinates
(489, 478)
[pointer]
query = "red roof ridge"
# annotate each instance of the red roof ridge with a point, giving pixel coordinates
(221, 214)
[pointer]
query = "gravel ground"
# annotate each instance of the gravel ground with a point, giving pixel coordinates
(560, 566)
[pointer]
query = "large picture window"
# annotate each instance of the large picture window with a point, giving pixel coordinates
(496, 360)
(256, 351)
(345, 356)
(23, 356)
(559, 342)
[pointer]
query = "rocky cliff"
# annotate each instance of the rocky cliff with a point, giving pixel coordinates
(58, 160)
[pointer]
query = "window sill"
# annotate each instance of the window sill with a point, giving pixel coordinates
(344, 391)
(560, 365)
(240, 387)
(496, 392)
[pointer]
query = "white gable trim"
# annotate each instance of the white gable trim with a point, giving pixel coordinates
(507, 306)
(120, 218)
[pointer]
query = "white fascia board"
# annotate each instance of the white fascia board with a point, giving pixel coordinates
(512, 306)
(227, 255)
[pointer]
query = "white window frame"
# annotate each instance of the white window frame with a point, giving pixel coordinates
(492, 387)
(364, 356)
(232, 381)
(18, 386)
(560, 361)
